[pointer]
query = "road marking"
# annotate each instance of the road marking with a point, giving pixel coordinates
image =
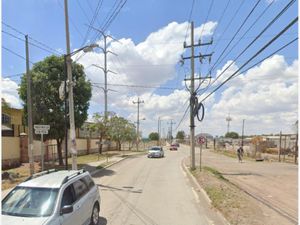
(196, 195)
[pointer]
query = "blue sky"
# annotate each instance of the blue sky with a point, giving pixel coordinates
(136, 25)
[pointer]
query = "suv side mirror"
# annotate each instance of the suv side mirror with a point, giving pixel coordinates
(66, 209)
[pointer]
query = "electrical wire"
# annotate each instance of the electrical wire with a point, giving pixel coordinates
(16, 54)
(141, 86)
(189, 20)
(254, 56)
(238, 30)
(258, 36)
(252, 25)
(207, 15)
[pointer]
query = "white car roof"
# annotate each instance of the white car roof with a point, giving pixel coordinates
(51, 180)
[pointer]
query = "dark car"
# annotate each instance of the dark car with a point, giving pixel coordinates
(173, 147)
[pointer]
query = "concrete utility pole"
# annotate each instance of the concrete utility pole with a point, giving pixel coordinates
(158, 131)
(228, 119)
(71, 100)
(279, 149)
(138, 122)
(171, 130)
(243, 132)
(29, 109)
(192, 89)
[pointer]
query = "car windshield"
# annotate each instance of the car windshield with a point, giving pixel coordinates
(30, 202)
(155, 149)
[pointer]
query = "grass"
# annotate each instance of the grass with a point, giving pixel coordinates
(215, 172)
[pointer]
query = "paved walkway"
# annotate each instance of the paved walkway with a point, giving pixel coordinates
(273, 184)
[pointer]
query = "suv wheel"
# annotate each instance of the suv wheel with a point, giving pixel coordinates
(95, 215)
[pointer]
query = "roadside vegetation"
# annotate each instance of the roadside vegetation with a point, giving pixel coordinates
(235, 205)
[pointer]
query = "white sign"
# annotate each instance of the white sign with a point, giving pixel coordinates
(39, 131)
(41, 127)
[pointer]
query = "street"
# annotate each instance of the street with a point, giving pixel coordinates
(152, 191)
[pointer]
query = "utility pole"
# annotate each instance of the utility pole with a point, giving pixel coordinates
(279, 150)
(105, 70)
(171, 130)
(71, 100)
(192, 88)
(228, 119)
(158, 131)
(29, 109)
(138, 122)
(243, 132)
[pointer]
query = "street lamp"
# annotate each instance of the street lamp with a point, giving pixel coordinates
(68, 76)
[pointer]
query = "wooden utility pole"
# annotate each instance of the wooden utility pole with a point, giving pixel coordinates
(29, 110)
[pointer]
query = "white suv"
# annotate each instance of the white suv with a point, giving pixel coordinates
(53, 198)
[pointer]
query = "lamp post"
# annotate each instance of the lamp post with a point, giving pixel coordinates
(68, 76)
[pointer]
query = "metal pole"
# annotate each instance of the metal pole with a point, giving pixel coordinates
(158, 140)
(243, 133)
(66, 115)
(192, 122)
(29, 110)
(279, 150)
(201, 156)
(138, 125)
(105, 78)
(71, 101)
(42, 151)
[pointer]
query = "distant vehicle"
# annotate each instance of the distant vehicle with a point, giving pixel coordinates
(156, 152)
(176, 144)
(51, 198)
(173, 147)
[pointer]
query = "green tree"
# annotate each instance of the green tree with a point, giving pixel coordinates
(232, 134)
(121, 130)
(100, 125)
(180, 135)
(47, 107)
(153, 136)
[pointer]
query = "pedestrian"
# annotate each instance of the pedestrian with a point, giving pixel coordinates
(240, 153)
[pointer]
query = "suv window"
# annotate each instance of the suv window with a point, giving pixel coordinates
(88, 181)
(68, 196)
(80, 188)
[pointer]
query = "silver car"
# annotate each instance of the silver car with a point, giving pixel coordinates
(156, 152)
(53, 198)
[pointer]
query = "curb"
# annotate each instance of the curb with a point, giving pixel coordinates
(109, 165)
(191, 176)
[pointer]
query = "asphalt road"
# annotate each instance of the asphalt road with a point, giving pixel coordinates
(146, 191)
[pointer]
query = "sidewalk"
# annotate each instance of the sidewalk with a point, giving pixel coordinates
(96, 166)
(272, 184)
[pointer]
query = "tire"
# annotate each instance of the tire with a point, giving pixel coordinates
(95, 215)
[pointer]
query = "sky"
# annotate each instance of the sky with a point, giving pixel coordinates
(148, 39)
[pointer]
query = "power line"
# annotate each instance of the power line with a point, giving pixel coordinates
(255, 55)
(38, 42)
(238, 30)
(28, 42)
(209, 10)
(231, 20)
(141, 86)
(16, 54)
(252, 25)
(258, 36)
(189, 20)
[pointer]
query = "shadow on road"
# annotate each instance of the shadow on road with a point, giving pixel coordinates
(104, 172)
(102, 221)
(124, 189)
(241, 174)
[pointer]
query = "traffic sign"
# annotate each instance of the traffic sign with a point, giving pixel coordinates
(201, 140)
(39, 131)
(41, 127)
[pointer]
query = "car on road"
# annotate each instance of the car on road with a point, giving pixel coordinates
(173, 147)
(156, 152)
(53, 198)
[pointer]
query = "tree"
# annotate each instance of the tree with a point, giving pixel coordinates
(100, 125)
(121, 130)
(180, 135)
(153, 136)
(47, 107)
(232, 134)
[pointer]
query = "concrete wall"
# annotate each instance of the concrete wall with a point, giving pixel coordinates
(10, 147)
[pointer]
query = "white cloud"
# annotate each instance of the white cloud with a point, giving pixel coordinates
(10, 92)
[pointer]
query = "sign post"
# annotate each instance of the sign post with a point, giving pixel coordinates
(42, 129)
(201, 140)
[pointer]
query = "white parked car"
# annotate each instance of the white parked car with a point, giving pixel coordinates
(53, 198)
(156, 152)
